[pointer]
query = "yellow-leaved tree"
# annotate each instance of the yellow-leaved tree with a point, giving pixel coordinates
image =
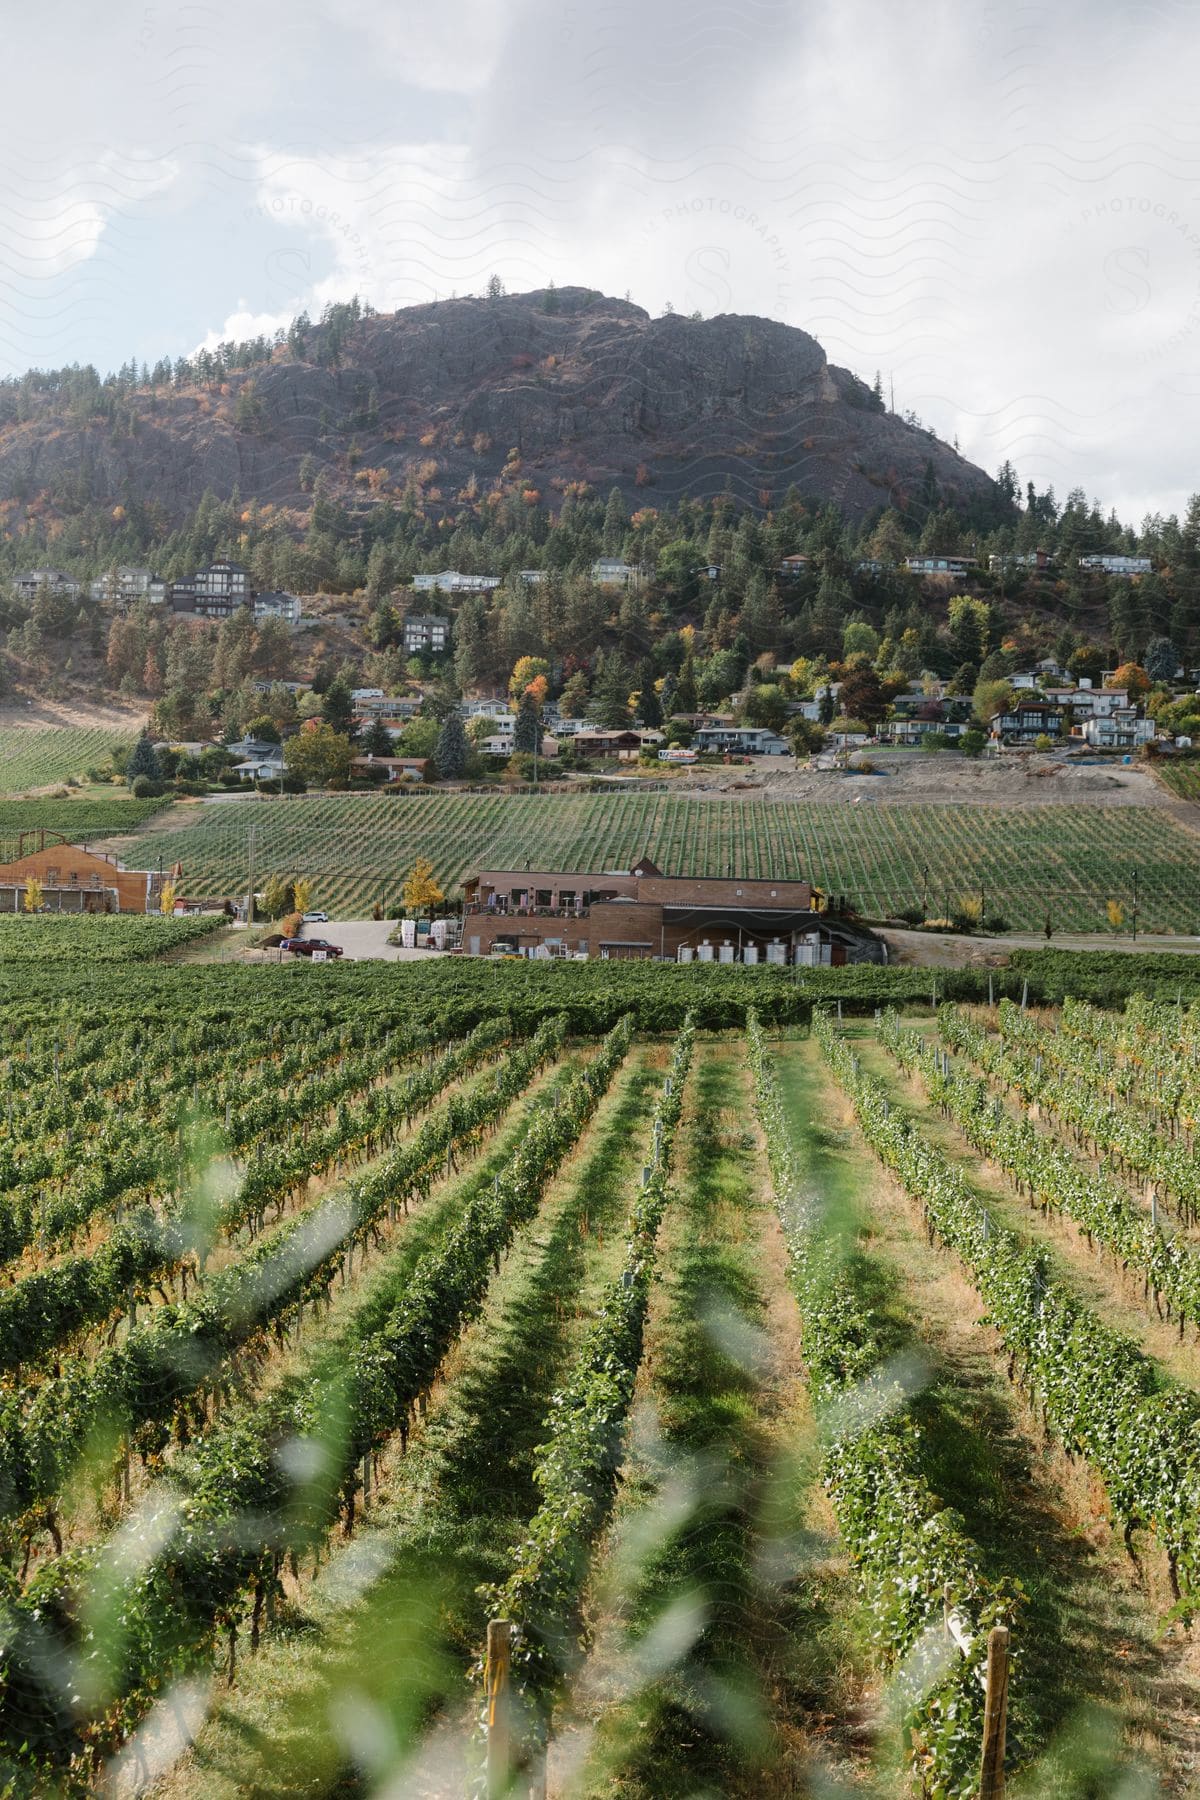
(302, 893)
(166, 900)
(420, 890)
(33, 894)
(1116, 914)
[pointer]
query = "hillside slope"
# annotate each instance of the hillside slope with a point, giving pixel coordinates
(533, 390)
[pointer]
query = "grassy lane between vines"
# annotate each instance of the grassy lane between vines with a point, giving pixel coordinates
(700, 1676)
(1110, 1696)
(445, 1521)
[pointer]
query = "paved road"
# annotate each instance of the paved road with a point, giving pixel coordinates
(366, 940)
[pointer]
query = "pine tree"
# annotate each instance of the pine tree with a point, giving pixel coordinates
(610, 693)
(527, 732)
(143, 760)
(649, 707)
(686, 697)
(337, 708)
(452, 748)
(377, 740)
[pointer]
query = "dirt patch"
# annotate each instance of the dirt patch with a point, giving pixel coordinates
(76, 715)
(920, 779)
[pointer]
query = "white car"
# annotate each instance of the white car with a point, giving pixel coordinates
(317, 918)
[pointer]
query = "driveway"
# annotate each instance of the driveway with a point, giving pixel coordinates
(366, 940)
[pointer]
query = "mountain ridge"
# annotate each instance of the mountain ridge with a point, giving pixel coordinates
(462, 397)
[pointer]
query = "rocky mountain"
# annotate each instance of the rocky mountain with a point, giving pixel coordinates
(528, 393)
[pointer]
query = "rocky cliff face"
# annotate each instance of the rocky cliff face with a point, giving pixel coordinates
(527, 391)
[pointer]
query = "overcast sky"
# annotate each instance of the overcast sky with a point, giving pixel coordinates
(996, 205)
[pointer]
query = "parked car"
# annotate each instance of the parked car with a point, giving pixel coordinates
(317, 918)
(309, 946)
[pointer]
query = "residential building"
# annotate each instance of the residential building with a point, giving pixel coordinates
(398, 768)
(610, 571)
(1126, 566)
(912, 729)
(532, 577)
(1028, 720)
(625, 746)
(793, 565)
(871, 565)
(275, 604)
(1121, 729)
(1037, 561)
(257, 759)
(75, 880)
(213, 592)
(385, 706)
(452, 581)
(740, 740)
(487, 708)
(641, 914)
(426, 631)
(939, 565)
(125, 585)
(32, 582)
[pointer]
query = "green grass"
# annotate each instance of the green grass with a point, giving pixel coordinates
(1023, 861)
(36, 755)
(716, 1720)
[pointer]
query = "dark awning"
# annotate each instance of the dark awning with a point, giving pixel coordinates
(771, 922)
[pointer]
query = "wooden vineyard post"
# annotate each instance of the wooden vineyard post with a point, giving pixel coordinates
(995, 1716)
(995, 1694)
(499, 1751)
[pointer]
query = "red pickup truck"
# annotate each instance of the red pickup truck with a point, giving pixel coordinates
(309, 946)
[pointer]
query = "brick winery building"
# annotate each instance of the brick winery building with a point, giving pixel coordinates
(643, 914)
(75, 880)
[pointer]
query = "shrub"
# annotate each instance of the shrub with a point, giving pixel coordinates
(289, 926)
(293, 784)
(911, 915)
(995, 924)
(142, 788)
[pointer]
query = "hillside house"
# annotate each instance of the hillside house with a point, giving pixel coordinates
(610, 571)
(426, 632)
(32, 582)
(453, 581)
(127, 584)
(1027, 721)
(275, 604)
(740, 740)
(397, 768)
(257, 759)
(939, 565)
(1124, 566)
(1122, 729)
(1033, 561)
(213, 592)
(625, 746)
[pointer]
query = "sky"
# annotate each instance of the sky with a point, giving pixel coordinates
(997, 206)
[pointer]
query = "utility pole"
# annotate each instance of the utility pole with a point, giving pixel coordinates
(250, 893)
(1135, 902)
